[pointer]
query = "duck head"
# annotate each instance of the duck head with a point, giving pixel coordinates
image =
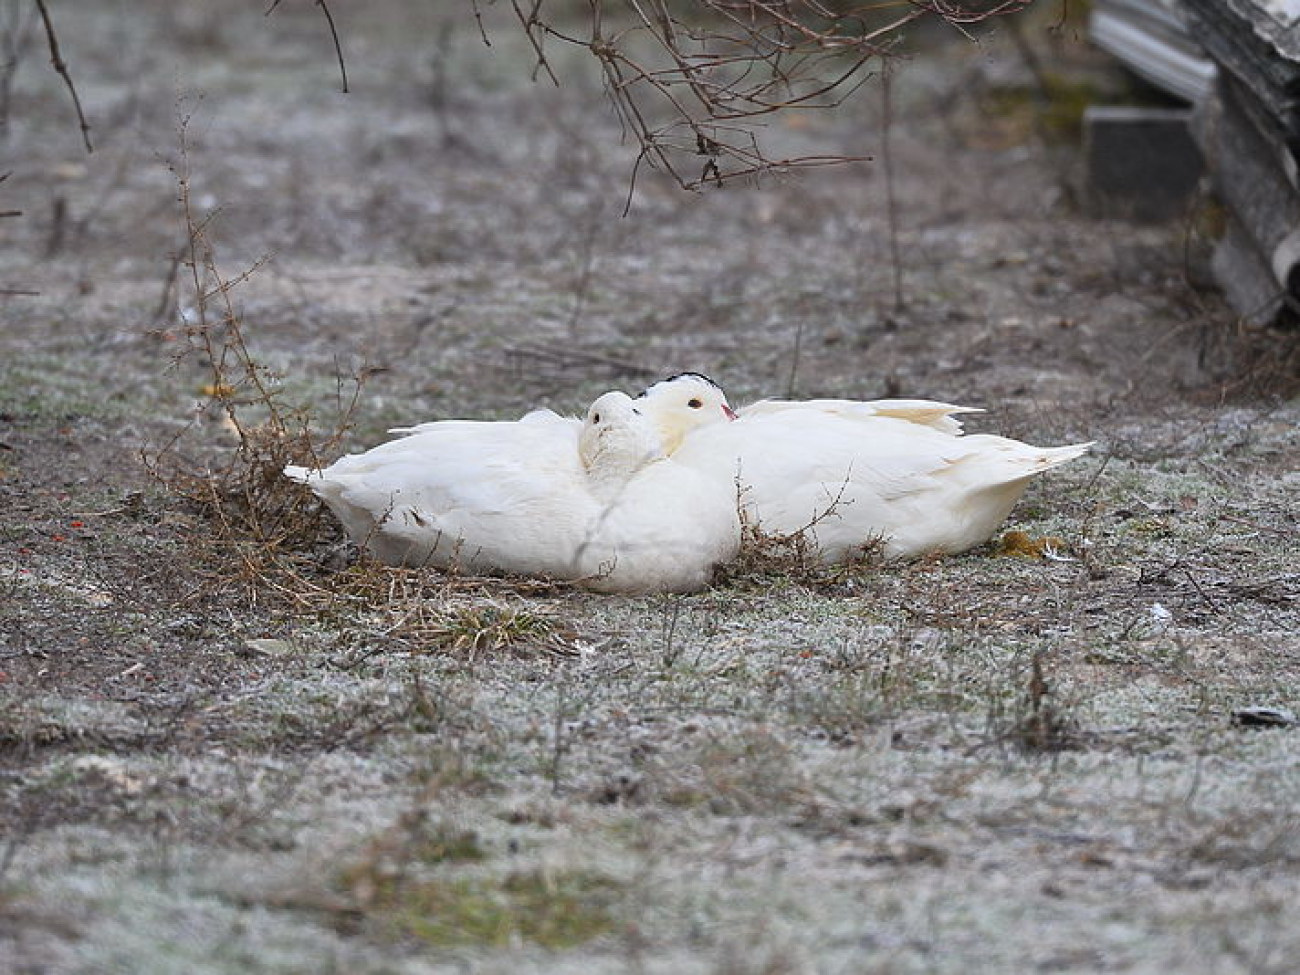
(682, 403)
(617, 439)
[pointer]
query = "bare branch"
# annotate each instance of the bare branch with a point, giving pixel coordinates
(8, 213)
(685, 89)
(13, 213)
(535, 30)
(56, 58)
(13, 36)
(338, 48)
(334, 36)
(891, 194)
(478, 18)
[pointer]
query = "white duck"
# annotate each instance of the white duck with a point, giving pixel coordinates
(594, 501)
(849, 473)
(679, 404)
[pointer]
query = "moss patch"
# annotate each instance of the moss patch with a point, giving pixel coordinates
(550, 909)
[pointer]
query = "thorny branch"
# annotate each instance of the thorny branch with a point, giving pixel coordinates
(697, 80)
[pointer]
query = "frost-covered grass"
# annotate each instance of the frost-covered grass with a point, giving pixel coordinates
(224, 753)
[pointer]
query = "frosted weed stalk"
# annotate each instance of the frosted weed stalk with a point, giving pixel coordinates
(255, 515)
(257, 528)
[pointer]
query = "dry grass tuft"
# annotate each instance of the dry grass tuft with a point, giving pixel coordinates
(373, 608)
(258, 527)
(254, 515)
(1042, 725)
(754, 772)
(794, 557)
(1267, 361)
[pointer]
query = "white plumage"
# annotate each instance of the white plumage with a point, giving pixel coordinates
(595, 501)
(851, 474)
(648, 494)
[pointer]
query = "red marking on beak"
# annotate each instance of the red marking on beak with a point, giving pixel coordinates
(730, 413)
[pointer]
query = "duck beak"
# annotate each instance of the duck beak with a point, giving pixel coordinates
(729, 412)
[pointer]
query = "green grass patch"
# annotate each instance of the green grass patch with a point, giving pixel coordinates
(546, 908)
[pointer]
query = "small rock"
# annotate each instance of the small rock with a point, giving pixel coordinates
(268, 647)
(1263, 717)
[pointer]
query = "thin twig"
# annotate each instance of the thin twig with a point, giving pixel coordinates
(334, 35)
(17, 292)
(56, 58)
(560, 745)
(338, 47)
(891, 195)
(478, 19)
(718, 75)
(14, 38)
(583, 287)
(794, 360)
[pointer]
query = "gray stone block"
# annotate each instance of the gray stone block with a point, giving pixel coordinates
(1141, 163)
(1246, 278)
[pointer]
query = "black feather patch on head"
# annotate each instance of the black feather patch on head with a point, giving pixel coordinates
(681, 375)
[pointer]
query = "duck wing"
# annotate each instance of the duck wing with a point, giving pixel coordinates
(848, 476)
(478, 494)
(927, 413)
(545, 417)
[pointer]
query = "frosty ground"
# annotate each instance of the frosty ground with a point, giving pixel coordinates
(980, 763)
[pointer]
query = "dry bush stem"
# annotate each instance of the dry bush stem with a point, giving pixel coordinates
(256, 517)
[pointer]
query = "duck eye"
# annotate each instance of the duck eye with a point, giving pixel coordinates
(595, 418)
(696, 403)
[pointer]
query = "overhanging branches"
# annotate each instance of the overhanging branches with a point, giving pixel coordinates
(698, 78)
